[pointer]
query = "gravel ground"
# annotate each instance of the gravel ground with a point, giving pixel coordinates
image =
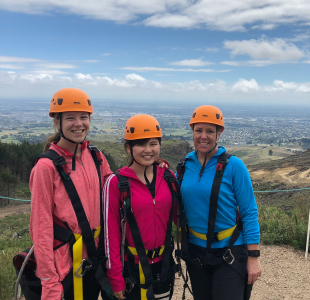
(285, 275)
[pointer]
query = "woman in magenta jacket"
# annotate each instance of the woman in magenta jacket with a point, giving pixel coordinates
(152, 207)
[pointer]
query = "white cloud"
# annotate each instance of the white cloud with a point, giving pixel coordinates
(56, 66)
(253, 63)
(146, 69)
(264, 26)
(245, 86)
(10, 66)
(282, 86)
(135, 77)
(276, 49)
(90, 61)
(11, 59)
(191, 63)
(219, 15)
(15, 84)
(212, 49)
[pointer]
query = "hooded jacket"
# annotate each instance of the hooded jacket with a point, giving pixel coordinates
(49, 199)
(152, 216)
(235, 191)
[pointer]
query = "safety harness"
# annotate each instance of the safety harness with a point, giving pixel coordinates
(63, 235)
(146, 281)
(211, 236)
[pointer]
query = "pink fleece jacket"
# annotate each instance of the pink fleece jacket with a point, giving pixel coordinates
(49, 198)
(152, 216)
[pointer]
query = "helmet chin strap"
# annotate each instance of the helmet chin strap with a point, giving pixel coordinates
(145, 177)
(76, 147)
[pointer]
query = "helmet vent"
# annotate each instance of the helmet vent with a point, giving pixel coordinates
(218, 116)
(59, 101)
(89, 102)
(132, 129)
(194, 115)
(157, 127)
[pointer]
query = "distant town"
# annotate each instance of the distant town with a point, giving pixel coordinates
(287, 127)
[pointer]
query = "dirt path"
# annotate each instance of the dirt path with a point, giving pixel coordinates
(286, 273)
(14, 210)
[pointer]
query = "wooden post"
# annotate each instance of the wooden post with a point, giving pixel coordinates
(307, 245)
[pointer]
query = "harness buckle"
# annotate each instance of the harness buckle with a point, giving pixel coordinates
(130, 283)
(124, 185)
(153, 253)
(87, 268)
(169, 177)
(215, 237)
(59, 161)
(228, 257)
(197, 263)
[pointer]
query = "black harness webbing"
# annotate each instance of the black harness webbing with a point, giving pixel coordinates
(223, 160)
(209, 259)
(124, 187)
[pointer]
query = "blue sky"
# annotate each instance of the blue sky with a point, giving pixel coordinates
(235, 51)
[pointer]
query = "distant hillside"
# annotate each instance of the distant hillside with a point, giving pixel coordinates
(254, 154)
(171, 150)
(292, 172)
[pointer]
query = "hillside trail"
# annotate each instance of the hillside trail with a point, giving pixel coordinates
(290, 175)
(285, 272)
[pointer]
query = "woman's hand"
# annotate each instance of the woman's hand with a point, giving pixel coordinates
(162, 163)
(254, 269)
(120, 295)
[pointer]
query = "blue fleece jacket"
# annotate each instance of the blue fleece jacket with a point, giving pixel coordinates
(235, 190)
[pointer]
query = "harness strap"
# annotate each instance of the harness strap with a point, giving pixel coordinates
(146, 276)
(218, 236)
(221, 165)
(78, 263)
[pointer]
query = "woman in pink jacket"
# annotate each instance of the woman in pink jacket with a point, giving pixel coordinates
(138, 211)
(50, 203)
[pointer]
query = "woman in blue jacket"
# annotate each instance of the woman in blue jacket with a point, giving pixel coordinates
(218, 269)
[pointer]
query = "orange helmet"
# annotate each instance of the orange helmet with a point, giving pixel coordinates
(142, 127)
(70, 99)
(207, 114)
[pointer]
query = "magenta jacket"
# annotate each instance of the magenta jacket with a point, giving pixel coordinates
(49, 199)
(152, 216)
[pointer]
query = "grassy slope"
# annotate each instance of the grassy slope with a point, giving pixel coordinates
(9, 247)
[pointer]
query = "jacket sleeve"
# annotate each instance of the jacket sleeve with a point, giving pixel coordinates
(247, 204)
(112, 222)
(41, 228)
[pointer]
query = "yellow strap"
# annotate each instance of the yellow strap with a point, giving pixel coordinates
(220, 235)
(133, 251)
(142, 281)
(77, 259)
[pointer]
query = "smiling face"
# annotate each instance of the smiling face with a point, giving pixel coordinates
(75, 125)
(145, 154)
(205, 136)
